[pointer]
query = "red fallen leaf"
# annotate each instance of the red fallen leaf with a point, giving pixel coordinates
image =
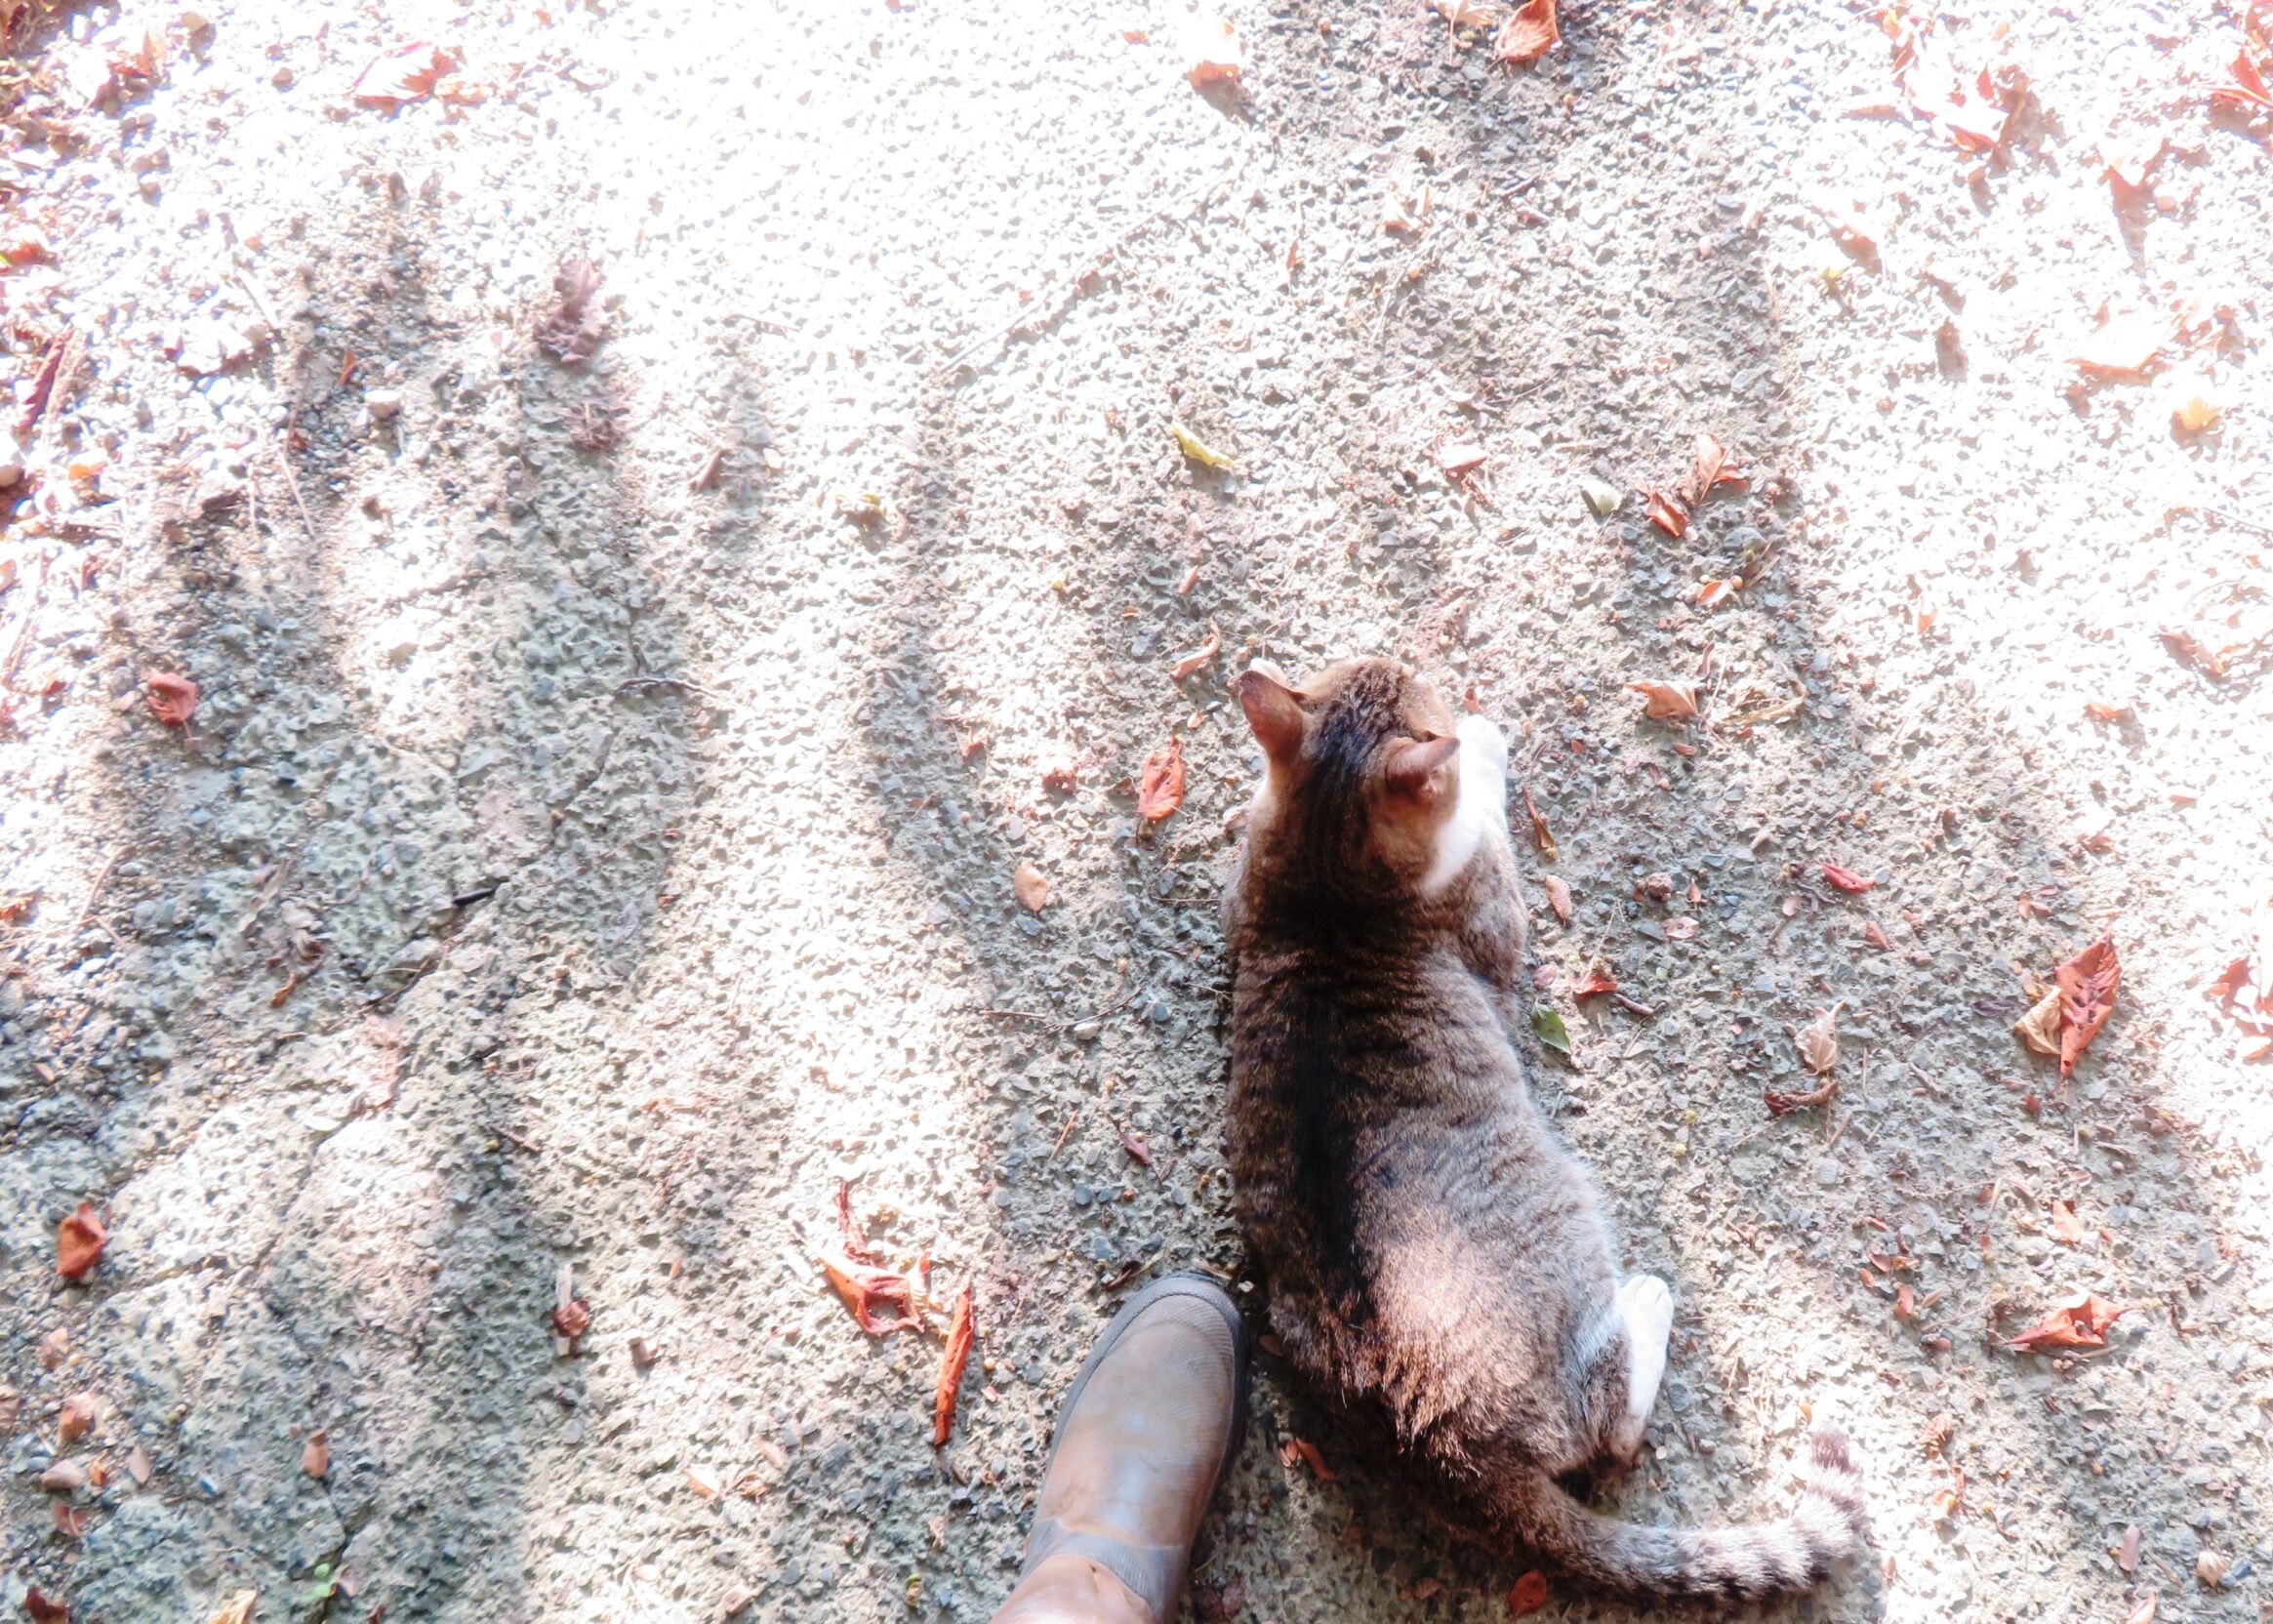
(961, 1331)
(576, 325)
(2088, 983)
(862, 1288)
(1905, 1304)
(2190, 650)
(1541, 835)
(1666, 513)
(1597, 983)
(1529, 34)
(45, 1609)
(316, 1458)
(1528, 1593)
(1778, 1103)
(76, 1419)
(408, 73)
(1667, 701)
(79, 1243)
(1710, 470)
(1876, 937)
(2249, 90)
(43, 382)
(571, 1319)
(2246, 988)
(1847, 879)
(1135, 1145)
(1557, 896)
(1160, 781)
(1304, 1450)
(1711, 592)
(172, 698)
(2078, 1321)
(2066, 1224)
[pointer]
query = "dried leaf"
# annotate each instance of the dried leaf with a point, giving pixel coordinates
(1031, 886)
(1709, 469)
(1460, 456)
(2144, 1612)
(1541, 835)
(2078, 1321)
(315, 1456)
(172, 698)
(2065, 1224)
(2194, 415)
(1212, 53)
(1711, 593)
(1304, 1450)
(574, 327)
(2127, 1552)
(2193, 651)
(2040, 1028)
(1668, 702)
(1847, 879)
(64, 1476)
(70, 1521)
(1464, 13)
(44, 1609)
(238, 1609)
(1197, 449)
(2211, 1568)
(79, 1243)
(2122, 348)
(1874, 936)
(1135, 1145)
(1667, 514)
(704, 1482)
(571, 1319)
(864, 1290)
(961, 1329)
(1548, 1024)
(2086, 984)
(137, 1464)
(1557, 896)
(1818, 1041)
(1779, 1102)
(1160, 781)
(407, 73)
(1529, 34)
(1528, 1593)
(1601, 494)
(1681, 928)
(76, 1419)
(1199, 656)
(1598, 982)
(1905, 1303)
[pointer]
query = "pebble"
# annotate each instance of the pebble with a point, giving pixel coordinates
(382, 404)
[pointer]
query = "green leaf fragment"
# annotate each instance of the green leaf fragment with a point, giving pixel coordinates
(1548, 1024)
(1199, 450)
(1601, 494)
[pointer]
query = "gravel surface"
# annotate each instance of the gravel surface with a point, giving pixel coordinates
(575, 862)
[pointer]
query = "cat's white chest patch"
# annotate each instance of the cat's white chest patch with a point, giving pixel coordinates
(1480, 813)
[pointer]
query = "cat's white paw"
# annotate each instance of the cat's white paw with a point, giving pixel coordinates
(1646, 1304)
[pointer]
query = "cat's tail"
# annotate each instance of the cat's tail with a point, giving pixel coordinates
(1757, 1559)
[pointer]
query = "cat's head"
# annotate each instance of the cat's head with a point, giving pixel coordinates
(1362, 781)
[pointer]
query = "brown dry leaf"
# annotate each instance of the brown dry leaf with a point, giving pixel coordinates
(172, 698)
(1541, 835)
(1711, 593)
(2040, 1028)
(44, 1609)
(1460, 456)
(2127, 1553)
(1710, 467)
(76, 1419)
(2088, 985)
(571, 1319)
(2191, 650)
(1598, 982)
(1529, 34)
(1874, 936)
(2126, 347)
(1031, 886)
(1528, 1593)
(2077, 1322)
(2065, 1224)
(961, 1330)
(71, 1521)
(863, 1288)
(704, 1482)
(1160, 781)
(315, 1456)
(2144, 1612)
(2210, 1567)
(1681, 928)
(1779, 1102)
(1557, 896)
(1847, 879)
(575, 327)
(1134, 1144)
(1905, 1303)
(1818, 1041)
(79, 1243)
(407, 73)
(1464, 13)
(1667, 514)
(238, 1609)
(1304, 1450)
(2195, 415)
(1212, 53)
(1199, 656)
(1667, 701)
(137, 1464)
(2100, 710)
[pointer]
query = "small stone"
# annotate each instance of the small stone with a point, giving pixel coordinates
(382, 404)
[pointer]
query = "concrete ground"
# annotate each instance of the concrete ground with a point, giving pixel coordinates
(594, 837)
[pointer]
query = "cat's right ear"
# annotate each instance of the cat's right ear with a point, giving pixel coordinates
(1274, 712)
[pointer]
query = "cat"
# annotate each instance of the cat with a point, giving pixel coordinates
(1430, 1248)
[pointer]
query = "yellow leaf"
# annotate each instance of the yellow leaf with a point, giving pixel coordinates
(1194, 447)
(2040, 1028)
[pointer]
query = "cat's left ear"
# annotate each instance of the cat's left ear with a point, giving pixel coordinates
(1426, 771)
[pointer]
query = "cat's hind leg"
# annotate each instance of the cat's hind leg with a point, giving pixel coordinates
(1644, 1304)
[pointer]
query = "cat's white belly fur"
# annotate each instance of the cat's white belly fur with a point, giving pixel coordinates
(1481, 812)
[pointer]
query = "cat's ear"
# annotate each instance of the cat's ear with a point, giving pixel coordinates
(1424, 770)
(1274, 712)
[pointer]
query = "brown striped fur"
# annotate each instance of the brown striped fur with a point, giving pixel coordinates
(1430, 1248)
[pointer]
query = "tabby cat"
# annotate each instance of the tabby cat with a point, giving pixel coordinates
(1430, 1248)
